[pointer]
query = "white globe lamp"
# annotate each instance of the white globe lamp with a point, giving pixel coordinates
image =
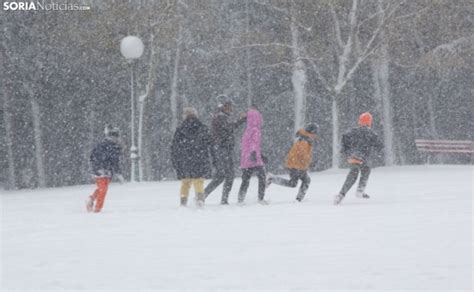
(131, 47)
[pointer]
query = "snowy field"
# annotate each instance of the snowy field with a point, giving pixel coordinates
(414, 233)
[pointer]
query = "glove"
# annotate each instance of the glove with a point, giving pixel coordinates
(120, 178)
(98, 173)
(253, 156)
(354, 160)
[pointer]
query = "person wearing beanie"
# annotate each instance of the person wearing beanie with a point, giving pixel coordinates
(251, 157)
(105, 163)
(222, 133)
(298, 160)
(357, 146)
(190, 155)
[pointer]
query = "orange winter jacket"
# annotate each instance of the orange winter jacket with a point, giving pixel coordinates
(301, 153)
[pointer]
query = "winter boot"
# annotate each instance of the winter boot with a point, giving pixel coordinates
(90, 204)
(241, 198)
(338, 199)
(269, 180)
(184, 201)
(225, 199)
(263, 202)
(302, 192)
(200, 199)
(361, 194)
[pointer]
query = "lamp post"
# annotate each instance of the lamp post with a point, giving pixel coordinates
(131, 48)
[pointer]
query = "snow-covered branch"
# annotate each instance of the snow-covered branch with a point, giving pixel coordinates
(275, 65)
(262, 45)
(453, 47)
(337, 27)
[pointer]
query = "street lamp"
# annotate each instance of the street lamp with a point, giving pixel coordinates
(131, 48)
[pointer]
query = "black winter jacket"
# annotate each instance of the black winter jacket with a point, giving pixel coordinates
(223, 130)
(190, 149)
(359, 142)
(105, 158)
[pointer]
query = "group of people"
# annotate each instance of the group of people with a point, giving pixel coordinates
(198, 152)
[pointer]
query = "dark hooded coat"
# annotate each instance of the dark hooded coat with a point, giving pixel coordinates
(190, 149)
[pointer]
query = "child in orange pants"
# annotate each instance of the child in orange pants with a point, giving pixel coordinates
(105, 162)
(99, 194)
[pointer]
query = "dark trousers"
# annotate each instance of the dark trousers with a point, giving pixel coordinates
(246, 174)
(224, 172)
(364, 170)
(295, 176)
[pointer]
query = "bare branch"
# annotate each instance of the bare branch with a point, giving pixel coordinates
(452, 47)
(285, 12)
(337, 27)
(309, 58)
(318, 72)
(163, 14)
(384, 20)
(262, 45)
(416, 13)
(282, 10)
(274, 65)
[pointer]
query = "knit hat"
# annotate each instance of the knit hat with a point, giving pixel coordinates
(111, 131)
(189, 111)
(311, 128)
(223, 100)
(365, 120)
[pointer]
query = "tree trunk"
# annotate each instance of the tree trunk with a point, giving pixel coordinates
(174, 83)
(380, 68)
(299, 76)
(35, 111)
(11, 182)
(247, 52)
(335, 134)
(440, 158)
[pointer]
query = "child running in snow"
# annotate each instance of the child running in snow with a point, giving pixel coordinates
(298, 160)
(357, 145)
(105, 162)
(251, 157)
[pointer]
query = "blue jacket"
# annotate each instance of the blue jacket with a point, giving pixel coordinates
(105, 158)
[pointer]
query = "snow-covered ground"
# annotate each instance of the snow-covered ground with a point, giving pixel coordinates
(414, 233)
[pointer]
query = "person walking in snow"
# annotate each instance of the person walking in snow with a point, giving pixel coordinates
(251, 157)
(222, 132)
(190, 155)
(298, 160)
(105, 163)
(357, 145)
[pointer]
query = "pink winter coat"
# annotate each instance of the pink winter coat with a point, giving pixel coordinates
(251, 140)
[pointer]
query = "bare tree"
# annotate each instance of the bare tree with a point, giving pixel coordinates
(351, 51)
